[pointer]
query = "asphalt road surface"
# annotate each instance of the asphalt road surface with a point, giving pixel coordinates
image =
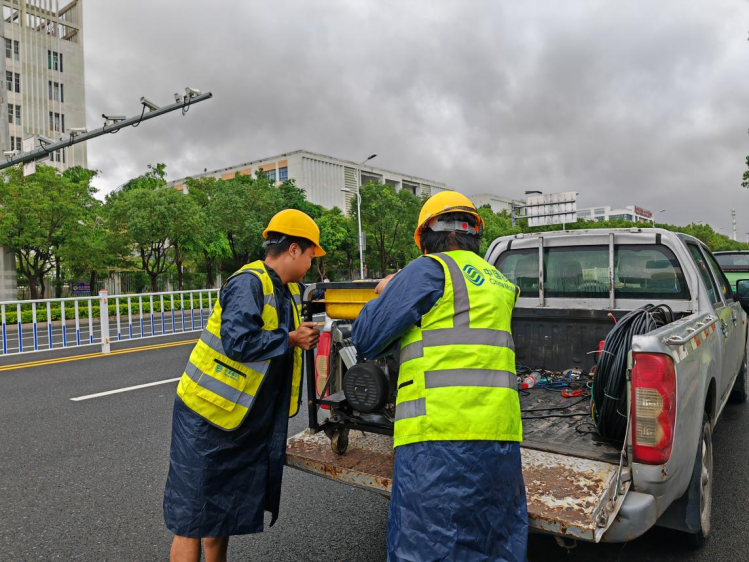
(84, 480)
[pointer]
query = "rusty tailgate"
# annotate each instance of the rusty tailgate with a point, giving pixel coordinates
(567, 496)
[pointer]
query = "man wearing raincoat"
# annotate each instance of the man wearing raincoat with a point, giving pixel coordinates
(242, 381)
(458, 491)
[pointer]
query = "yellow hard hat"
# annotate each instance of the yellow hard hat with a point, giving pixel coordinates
(296, 223)
(442, 203)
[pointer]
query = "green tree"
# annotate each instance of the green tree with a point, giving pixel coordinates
(387, 218)
(91, 249)
(334, 232)
(37, 213)
(145, 218)
(212, 245)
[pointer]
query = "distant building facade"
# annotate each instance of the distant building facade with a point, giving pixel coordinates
(44, 88)
(496, 202)
(630, 213)
(323, 177)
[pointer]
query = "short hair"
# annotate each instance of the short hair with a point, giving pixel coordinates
(276, 244)
(434, 242)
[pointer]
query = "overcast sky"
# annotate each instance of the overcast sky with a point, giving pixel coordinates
(628, 103)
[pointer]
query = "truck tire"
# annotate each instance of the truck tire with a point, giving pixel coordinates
(701, 486)
(740, 387)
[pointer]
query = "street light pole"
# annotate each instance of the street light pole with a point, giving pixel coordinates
(358, 213)
(661, 211)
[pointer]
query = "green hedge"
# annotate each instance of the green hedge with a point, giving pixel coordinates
(27, 315)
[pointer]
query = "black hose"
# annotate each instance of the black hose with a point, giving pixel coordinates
(609, 386)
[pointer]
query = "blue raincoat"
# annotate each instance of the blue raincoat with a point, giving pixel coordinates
(451, 500)
(220, 482)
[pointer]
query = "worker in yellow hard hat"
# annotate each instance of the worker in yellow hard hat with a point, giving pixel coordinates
(242, 381)
(457, 491)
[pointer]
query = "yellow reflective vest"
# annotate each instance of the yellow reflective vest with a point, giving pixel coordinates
(222, 390)
(457, 377)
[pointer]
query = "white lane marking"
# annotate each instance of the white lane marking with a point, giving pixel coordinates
(107, 393)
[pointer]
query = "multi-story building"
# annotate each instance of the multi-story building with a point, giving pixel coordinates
(44, 76)
(323, 178)
(44, 88)
(630, 213)
(496, 202)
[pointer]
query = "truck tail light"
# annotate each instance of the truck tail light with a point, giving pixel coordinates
(322, 365)
(653, 407)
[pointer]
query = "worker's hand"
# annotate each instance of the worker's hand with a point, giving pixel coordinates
(305, 336)
(382, 284)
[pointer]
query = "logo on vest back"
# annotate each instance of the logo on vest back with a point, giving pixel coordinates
(473, 275)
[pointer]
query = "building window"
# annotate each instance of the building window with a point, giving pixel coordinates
(15, 143)
(49, 89)
(9, 80)
(51, 122)
(54, 60)
(17, 82)
(10, 113)
(57, 122)
(63, 122)
(16, 51)
(283, 174)
(8, 48)
(18, 115)
(271, 175)
(62, 93)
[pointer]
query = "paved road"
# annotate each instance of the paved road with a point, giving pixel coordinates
(84, 480)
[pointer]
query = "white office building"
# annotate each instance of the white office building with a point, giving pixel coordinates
(323, 177)
(44, 88)
(630, 213)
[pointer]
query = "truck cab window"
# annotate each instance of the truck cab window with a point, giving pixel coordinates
(521, 267)
(704, 271)
(720, 277)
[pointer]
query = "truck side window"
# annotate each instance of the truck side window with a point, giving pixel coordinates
(707, 279)
(521, 267)
(720, 277)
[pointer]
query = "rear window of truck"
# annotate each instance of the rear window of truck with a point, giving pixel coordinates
(640, 272)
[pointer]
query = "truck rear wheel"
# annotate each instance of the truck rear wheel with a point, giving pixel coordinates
(702, 484)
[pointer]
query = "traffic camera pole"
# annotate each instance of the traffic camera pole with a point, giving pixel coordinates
(43, 151)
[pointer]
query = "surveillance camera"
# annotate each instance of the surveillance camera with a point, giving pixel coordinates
(177, 98)
(114, 118)
(192, 92)
(10, 153)
(149, 104)
(44, 140)
(73, 131)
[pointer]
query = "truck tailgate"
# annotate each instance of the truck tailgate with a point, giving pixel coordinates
(567, 496)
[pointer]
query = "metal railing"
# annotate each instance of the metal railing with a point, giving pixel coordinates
(44, 324)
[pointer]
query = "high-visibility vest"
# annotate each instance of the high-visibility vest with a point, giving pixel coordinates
(457, 377)
(222, 390)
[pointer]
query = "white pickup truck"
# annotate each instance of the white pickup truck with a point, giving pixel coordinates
(574, 286)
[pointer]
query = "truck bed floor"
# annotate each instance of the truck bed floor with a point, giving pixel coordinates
(568, 435)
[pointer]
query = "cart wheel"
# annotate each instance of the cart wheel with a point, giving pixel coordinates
(339, 441)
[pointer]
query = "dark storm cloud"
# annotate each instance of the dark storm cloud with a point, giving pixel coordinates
(627, 103)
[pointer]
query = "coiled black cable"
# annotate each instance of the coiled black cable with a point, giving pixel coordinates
(609, 400)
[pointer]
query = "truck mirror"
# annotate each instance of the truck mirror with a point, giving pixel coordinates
(742, 293)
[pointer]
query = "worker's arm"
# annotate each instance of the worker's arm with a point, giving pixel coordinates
(408, 296)
(242, 331)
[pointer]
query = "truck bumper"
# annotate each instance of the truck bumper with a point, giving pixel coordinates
(637, 515)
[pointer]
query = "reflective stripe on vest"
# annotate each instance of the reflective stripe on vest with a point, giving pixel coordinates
(215, 344)
(457, 377)
(217, 387)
